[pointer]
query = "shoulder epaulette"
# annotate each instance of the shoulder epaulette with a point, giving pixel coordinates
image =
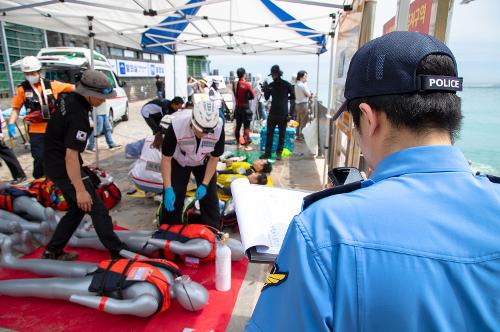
(494, 179)
(347, 188)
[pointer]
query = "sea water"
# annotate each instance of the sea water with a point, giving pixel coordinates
(480, 135)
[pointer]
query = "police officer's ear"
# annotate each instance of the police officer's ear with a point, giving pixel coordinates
(370, 119)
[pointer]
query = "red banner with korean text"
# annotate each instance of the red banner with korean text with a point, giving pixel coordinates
(419, 17)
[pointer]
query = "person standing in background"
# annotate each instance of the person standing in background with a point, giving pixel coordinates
(281, 91)
(216, 98)
(103, 125)
(39, 97)
(203, 86)
(293, 111)
(160, 87)
(258, 105)
(243, 93)
(302, 96)
(10, 158)
(192, 87)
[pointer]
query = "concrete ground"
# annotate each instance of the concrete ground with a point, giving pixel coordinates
(301, 171)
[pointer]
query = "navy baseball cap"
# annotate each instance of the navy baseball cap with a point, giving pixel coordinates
(388, 66)
(276, 70)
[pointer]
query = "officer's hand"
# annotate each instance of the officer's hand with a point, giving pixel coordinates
(169, 199)
(84, 200)
(12, 130)
(200, 192)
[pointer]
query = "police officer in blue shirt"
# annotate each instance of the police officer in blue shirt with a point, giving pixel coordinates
(416, 246)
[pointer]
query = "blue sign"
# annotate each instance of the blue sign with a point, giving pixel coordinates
(121, 65)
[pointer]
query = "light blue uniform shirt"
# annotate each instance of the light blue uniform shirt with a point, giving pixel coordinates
(416, 249)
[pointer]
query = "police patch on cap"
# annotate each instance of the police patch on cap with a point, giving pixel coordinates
(276, 277)
(81, 136)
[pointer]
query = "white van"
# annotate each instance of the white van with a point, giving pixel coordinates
(64, 64)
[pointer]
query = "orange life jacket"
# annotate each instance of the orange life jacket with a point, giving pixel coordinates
(116, 275)
(184, 233)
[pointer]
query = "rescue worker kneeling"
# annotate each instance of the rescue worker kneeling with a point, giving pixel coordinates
(192, 144)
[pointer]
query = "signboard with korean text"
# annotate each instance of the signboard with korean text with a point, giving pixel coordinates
(419, 17)
(126, 68)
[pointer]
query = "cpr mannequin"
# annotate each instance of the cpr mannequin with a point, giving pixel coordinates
(148, 284)
(42, 231)
(168, 241)
(23, 204)
(21, 240)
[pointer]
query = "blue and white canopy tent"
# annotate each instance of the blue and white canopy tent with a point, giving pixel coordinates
(194, 27)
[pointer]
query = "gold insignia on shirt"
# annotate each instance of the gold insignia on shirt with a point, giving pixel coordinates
(276, 277)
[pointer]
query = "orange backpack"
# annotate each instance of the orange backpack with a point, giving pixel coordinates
(48, 194)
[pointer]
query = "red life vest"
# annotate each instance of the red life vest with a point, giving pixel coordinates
(184, 233)
(112, 276)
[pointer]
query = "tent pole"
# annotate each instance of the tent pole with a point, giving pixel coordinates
(331, 125)
(316, 105)
(94, 113)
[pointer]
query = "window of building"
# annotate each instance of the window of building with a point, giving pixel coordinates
(71, 44)
(115, 51)
(98, 49)
(146, 56)
(86, 45)
(129, 54)
(155, 57)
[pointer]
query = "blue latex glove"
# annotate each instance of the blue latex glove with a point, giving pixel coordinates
(169, 199)
(12, 130)
(200, 192)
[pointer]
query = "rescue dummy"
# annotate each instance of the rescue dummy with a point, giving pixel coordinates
(135, 286)
(174, 242)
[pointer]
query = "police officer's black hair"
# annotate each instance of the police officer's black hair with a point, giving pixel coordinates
(421, 112)
(240, 72)
(301, 74)
(267, 167)
(262, 179)
(177, 100)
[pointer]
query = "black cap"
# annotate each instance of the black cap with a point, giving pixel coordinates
(388, 66)
(276, 70)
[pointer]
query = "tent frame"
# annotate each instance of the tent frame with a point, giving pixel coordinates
(146, 9)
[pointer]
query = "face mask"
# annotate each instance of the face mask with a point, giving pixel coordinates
(33, 78)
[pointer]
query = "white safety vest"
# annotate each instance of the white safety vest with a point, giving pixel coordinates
(185, 152)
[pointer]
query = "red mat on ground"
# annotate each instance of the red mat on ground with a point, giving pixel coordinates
(33, 314)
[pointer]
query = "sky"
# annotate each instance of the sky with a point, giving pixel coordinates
(473, 38)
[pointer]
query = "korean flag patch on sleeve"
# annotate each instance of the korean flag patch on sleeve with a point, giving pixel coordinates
(81, 136)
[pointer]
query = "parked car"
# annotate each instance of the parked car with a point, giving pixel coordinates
(65, 64)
